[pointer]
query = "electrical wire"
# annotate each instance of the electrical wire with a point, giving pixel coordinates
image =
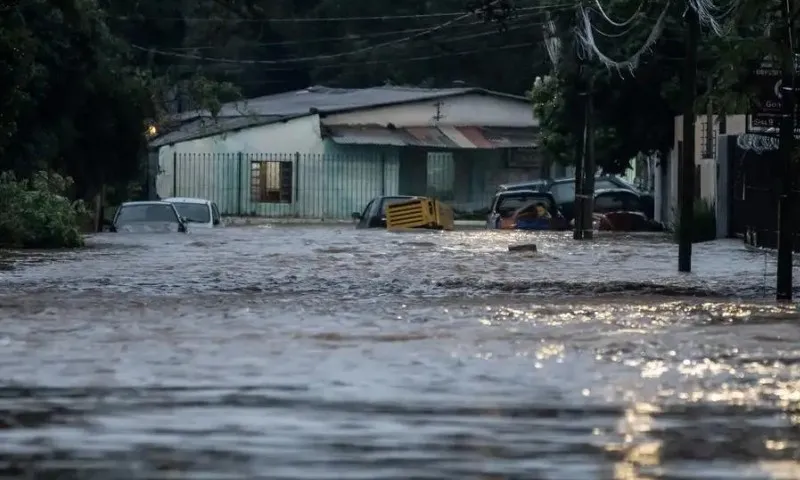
(334, 39)
(585, 34)
(627, 22)
(415, 59)
(331, 19)
(302, 59)
(309, 58)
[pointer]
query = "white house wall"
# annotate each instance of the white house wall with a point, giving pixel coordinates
(300, 135)
(735, 124)
(474, 109)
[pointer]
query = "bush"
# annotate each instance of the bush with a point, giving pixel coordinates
(704, 222)
(36, 214)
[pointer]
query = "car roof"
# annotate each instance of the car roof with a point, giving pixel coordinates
(507, 193)
(539, 181)
(187, 200)
(395, 197)
(615, 190)
(145, 202)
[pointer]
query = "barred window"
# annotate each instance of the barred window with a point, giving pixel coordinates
(706, 130)
(271, 181)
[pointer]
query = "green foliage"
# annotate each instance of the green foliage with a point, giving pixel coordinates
(635, 111)
(37, 214)
(704, 222)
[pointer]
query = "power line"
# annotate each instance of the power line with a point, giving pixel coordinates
(358, 36)
(331, 19)
(417, 59)
(305, 59)
(446, 40)
(295, 60)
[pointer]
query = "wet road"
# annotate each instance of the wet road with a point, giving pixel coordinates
(328, 353)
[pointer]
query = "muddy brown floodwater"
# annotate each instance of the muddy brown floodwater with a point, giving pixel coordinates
(329, 353)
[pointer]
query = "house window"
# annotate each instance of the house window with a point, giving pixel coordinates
(271, 181)
(706, 131)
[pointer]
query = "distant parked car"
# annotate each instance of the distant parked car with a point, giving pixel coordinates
(563, 190)
(374, 214)
(621, 210)
(540, 185)
(524, 210)
(147, 217)
(197, 211)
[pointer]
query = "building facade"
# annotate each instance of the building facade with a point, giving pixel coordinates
(324, 153)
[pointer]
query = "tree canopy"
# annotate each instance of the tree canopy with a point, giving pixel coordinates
(636, 104)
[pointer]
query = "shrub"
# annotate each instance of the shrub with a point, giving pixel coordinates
(704, 222)
(36, 214)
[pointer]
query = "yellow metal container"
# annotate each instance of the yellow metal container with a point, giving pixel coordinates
(420, 212)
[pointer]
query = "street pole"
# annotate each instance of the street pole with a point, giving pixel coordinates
(589, 170)
(785, 227)
(687, 167)
(580, 145)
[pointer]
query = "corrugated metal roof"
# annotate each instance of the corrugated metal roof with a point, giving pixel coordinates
(434, 137)
(272, 108)
(330, 100)
(206, 126)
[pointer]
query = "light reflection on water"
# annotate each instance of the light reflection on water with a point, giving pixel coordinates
(299, 352)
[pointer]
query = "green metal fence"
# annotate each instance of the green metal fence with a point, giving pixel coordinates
(279, 185)
(315, 186)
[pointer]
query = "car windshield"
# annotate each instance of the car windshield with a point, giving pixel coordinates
(617, 201)
(508, 204)
(194, 212)
(390, 200)
(146, 213)
(563, 192)
(532, 207)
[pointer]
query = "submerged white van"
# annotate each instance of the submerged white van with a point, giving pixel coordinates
(197, 212)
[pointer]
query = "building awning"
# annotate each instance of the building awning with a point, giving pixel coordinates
(434, 137)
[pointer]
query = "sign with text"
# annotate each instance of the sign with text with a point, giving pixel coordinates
(765, 115)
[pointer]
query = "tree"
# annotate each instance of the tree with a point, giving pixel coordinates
(635, 110)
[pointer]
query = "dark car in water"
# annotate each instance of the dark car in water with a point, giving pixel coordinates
(621, 210)
(563, 190)
(374, 214)
(524, 210)
(148, 217)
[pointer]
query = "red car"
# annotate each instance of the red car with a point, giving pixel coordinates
(621, 210)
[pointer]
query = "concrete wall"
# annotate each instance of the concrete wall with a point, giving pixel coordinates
(735, 124)
(300, 135)
(463, 110)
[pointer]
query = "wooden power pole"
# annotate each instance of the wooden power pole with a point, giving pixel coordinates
(590, 166)
(687, 166)
(787, 126)
(580, 146)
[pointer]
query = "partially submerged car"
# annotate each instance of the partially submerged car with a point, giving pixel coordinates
(147, 217)
(524, 210)
(374, 214)
(563, 190)
(197, 211)
(621, 210)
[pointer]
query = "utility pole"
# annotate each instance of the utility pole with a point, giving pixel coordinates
(580, 137)
(687, 167)
(590, 167)
(787, 125)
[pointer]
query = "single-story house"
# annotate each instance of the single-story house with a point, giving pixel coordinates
(325, 152)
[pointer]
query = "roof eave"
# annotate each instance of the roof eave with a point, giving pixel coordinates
(466, 91)
(155, 144)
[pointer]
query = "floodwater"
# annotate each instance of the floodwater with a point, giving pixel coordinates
(328, 353)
